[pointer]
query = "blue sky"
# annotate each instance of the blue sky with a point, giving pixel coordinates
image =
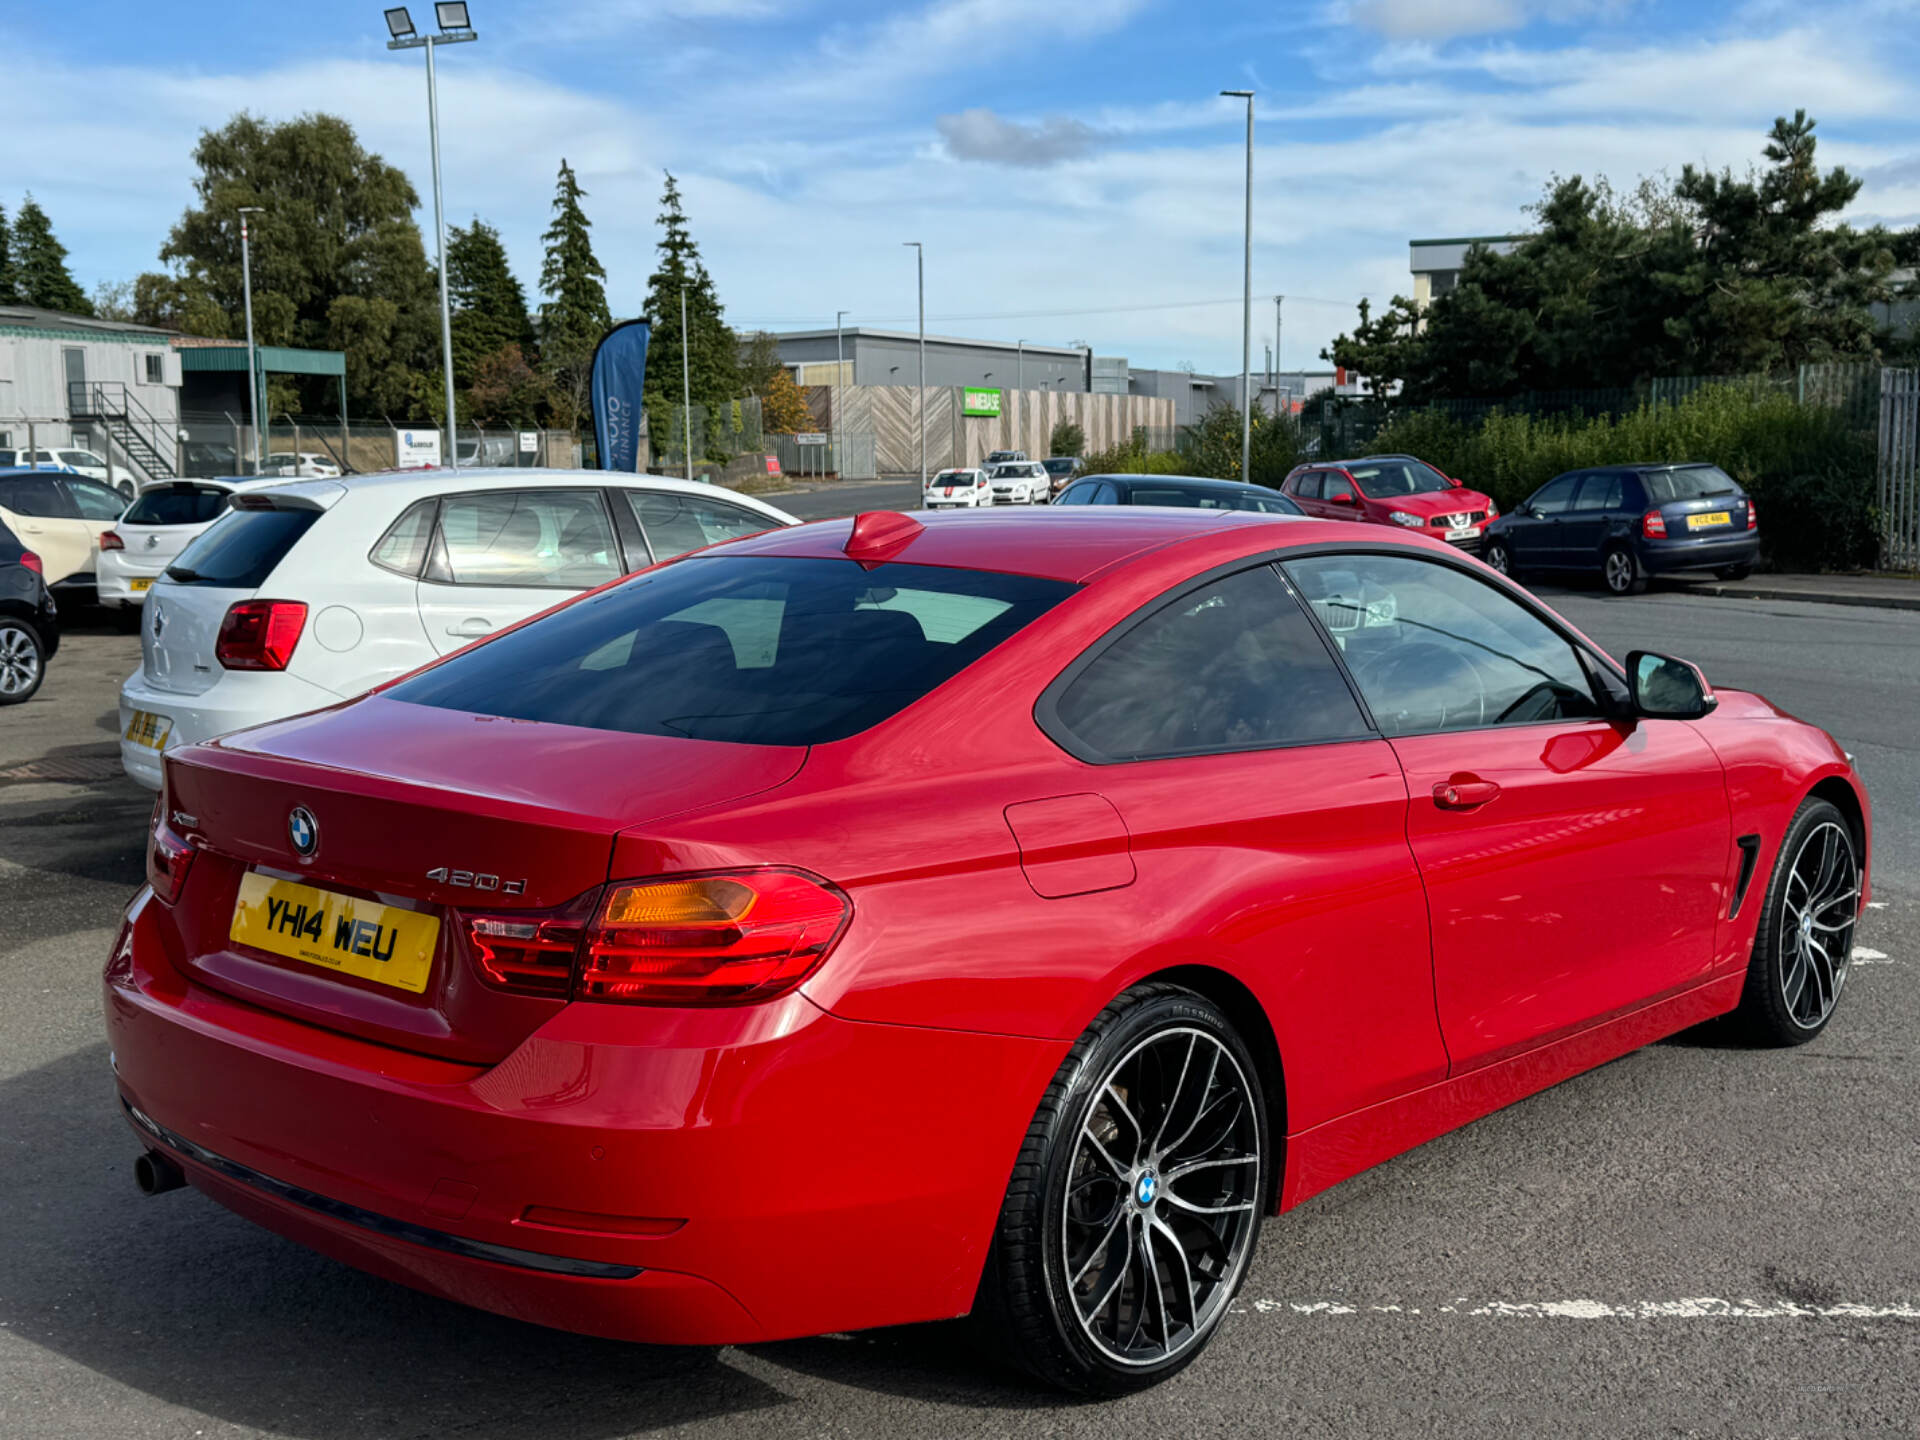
(1067, 164)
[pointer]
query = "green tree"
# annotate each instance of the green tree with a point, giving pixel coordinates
(1710, 274)
(489, 307)
(711, 349)
(759, 362)
(113, 300)
(337, 225)
(575, 314)
(40, 264)
(9, 273)
(1067, 439)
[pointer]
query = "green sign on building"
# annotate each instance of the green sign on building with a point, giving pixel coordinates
(980, 402)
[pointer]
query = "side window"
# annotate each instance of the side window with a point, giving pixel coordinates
(1106, 493)
(1077, 495)
(1555, 496)
(676, 524)
(37, 496)
(95, 501)
(404, 545)
(1598, 492)
(1309, 485)
(1235, 665)
(1335, 482)
(1432, 648)
(155, 370)
(559, 539)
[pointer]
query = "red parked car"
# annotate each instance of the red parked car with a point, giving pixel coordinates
(874, 922)
(1394, 490)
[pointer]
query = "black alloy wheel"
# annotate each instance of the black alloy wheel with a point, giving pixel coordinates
(1136, 1200)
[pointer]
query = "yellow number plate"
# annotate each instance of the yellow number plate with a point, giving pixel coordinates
(139, 583)
(357, 937)
(1703, 522)
(148, 729)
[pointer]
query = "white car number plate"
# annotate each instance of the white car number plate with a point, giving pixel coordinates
(1463, 532)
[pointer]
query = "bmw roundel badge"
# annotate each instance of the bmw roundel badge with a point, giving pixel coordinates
(303, 831)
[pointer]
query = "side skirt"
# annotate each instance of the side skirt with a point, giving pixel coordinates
(1338, 1149)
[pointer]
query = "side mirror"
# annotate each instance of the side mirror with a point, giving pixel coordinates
(1455, 483)
(1664, 688)
(1345, 497)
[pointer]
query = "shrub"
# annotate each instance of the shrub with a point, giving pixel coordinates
(1067, 439)
(1809, 472)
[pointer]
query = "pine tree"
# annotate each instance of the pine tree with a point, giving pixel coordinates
(712, 350)
(489, 307)
(9, 279)
(574, 282)
(41, 264)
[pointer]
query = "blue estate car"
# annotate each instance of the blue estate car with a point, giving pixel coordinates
(1626, 522)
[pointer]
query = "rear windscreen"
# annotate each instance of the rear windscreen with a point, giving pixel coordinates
(763, 650)
(241, 549)
(177, 505)
(1691, 482)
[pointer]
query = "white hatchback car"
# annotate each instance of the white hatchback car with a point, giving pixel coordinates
(313, 591)
(306, 464)
(155, 529)
(955, 489)
(1021, 482)
(82, 462)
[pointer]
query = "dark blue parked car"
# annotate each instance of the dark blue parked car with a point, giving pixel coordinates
(1626, 522)
(1191, 492)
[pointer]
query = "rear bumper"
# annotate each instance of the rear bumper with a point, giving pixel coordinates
(699, 1177)
(237, 700)
(1658, 557)
(114, 575)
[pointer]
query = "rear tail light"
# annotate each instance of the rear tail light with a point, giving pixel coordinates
(1753, 516)
(169, 857)
(110, 540)
(1653, 525)
(33, 563)
(723, 939)
(260, 634)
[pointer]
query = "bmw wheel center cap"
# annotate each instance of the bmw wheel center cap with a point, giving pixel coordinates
(303, 831)
(1146, 1189)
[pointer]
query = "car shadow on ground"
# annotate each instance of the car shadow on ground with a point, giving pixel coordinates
(175, 1297)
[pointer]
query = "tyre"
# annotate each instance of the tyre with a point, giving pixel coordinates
(1620, 572)
(1500, 558)
(1136, 1199)
(1805, 941)
(23, 661)
(1734, 572)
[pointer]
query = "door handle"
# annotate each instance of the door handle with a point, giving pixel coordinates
(471, 629)
(1464, 794)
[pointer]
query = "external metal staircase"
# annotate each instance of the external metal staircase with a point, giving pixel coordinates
(148, 444)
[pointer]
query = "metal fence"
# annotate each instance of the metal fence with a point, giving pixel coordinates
(1899, 488)
(223, 444)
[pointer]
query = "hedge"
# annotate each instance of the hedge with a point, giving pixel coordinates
(1809, 471)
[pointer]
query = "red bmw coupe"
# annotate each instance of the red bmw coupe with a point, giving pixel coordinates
(880, 921)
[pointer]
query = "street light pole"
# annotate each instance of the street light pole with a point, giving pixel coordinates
(686, 388)
(1276, 352)
(454, 29)
(839, 380)
(1246, 310)
(920, 266)
(253, 367)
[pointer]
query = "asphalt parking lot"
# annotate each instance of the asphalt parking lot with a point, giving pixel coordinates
(1696, 1239)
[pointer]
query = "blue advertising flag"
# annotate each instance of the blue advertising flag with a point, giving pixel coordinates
(619, 376)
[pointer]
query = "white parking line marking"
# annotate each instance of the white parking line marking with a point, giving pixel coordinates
(1700, 1308)
(1876, 904)
(1863, 956)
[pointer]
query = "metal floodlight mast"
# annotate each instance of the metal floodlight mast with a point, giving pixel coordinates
(686, 389)
(454, 28)
(1246, 309)
(253, 367)
(920, 268)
